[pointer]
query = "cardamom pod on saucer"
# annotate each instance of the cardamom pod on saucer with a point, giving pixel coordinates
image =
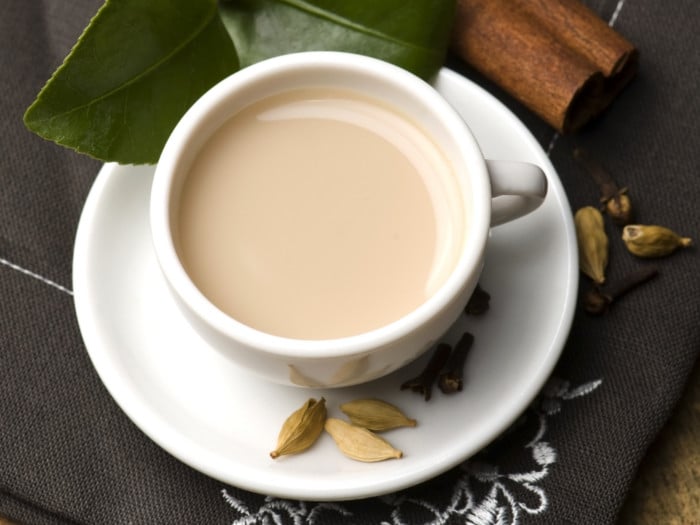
(652, 241)
(359, 443)
(592, 243)
(376, 415)
(301, 429)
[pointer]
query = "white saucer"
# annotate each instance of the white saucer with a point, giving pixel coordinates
(223, 422)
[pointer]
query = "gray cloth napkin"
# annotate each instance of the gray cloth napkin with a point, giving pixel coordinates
(69, 454)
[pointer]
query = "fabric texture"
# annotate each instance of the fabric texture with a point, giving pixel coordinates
(70, 455)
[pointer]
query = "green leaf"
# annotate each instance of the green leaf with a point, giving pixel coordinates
(413, 34)
(135, 70)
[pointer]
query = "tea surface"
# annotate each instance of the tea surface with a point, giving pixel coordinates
(319, 214)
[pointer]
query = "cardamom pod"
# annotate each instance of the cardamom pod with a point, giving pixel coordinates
(359, 443)
(592, 243)
(652, 241)
(376, 415)
(301, 429)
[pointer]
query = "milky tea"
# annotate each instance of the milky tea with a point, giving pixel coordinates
(318, 214)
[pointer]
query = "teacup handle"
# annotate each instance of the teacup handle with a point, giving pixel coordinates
(520, 187)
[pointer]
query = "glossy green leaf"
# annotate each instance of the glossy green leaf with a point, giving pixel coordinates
(136, 69)
(413, 34)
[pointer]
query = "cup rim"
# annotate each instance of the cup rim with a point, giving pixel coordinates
(465, 271)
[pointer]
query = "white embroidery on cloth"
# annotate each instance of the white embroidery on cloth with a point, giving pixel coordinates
(483, 493)
(30, 273)
(280, 511)
(614, 16)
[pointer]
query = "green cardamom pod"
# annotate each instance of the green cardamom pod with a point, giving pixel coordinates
(301, 429)
(652, 241)
(592, 243)
(359, 443)
(376, 415)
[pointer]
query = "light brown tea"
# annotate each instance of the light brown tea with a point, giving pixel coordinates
(318, 214)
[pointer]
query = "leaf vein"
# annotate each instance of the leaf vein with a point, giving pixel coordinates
(345, 22)
(190, 38)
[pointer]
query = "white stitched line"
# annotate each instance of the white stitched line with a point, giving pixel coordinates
(35, 276)
(614, 16)
(611, 23)
(551, 143)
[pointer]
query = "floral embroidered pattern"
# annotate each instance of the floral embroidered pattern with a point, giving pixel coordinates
(498, 486)
(274, 511)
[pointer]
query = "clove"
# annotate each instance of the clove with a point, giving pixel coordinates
(451, 381)
(598, 299)
(423, 383)
(614, 199)
(478, 303)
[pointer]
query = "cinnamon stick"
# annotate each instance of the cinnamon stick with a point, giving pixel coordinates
(555, 56)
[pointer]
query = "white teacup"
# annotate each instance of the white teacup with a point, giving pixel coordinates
(353, 357)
